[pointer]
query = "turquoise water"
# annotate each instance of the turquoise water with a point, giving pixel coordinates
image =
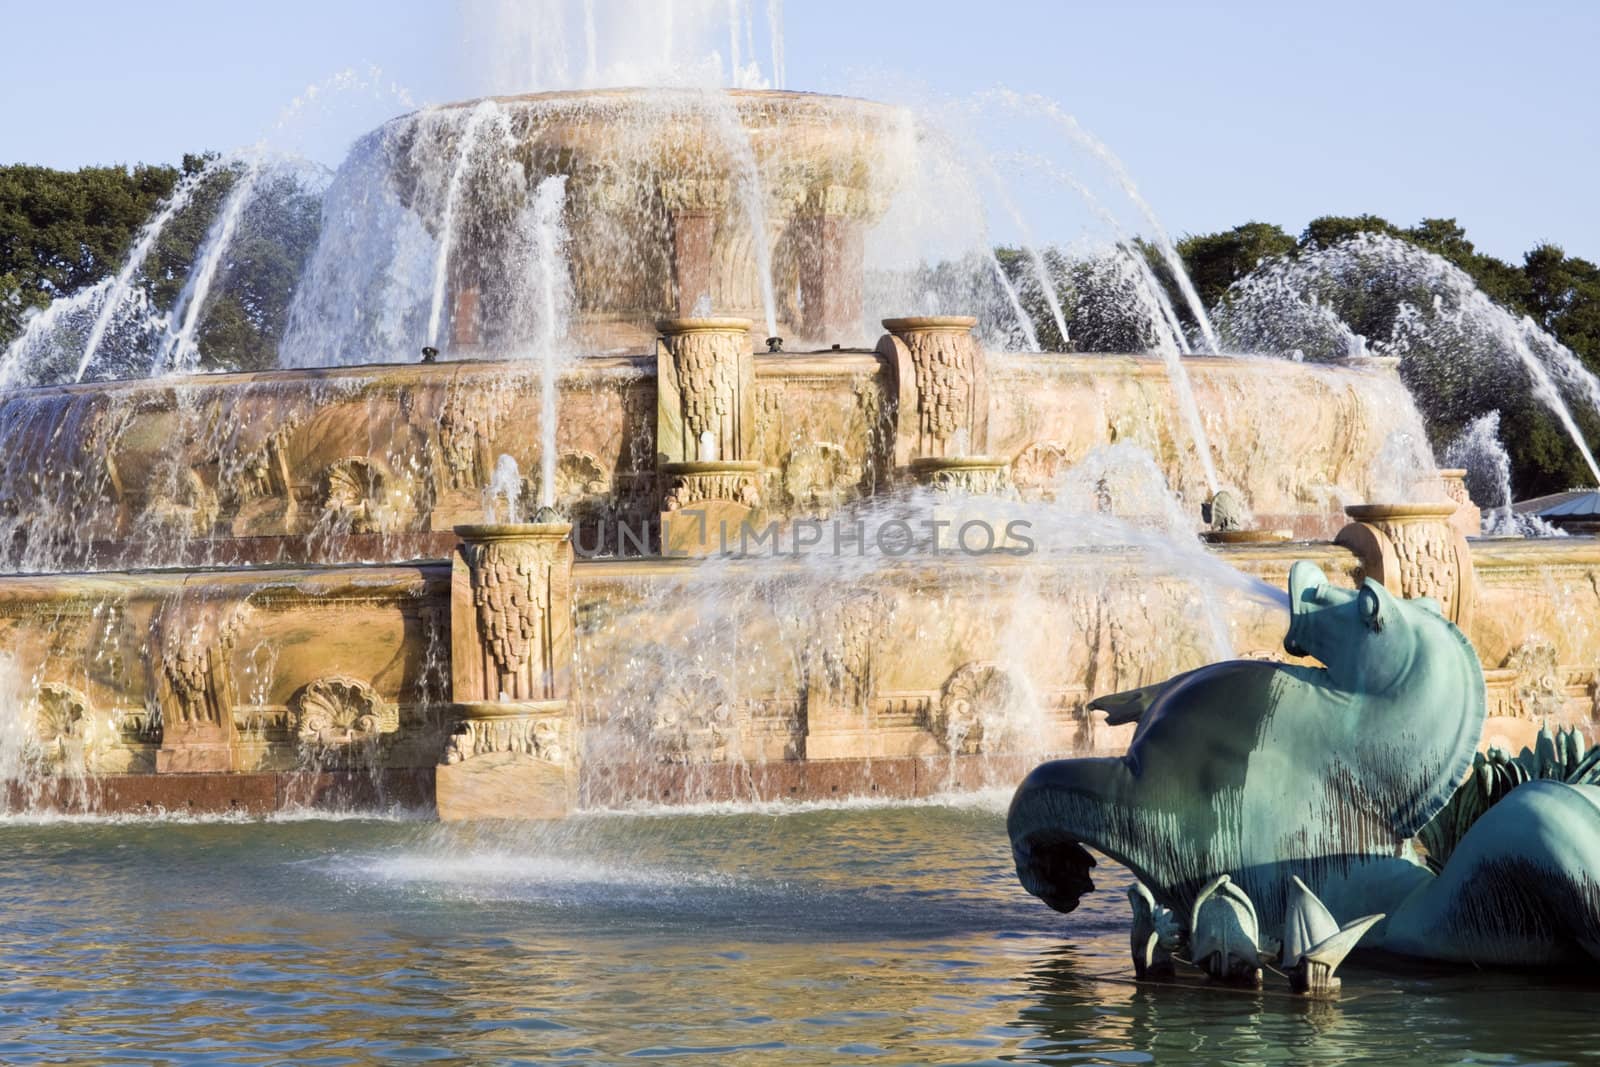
(872, 935)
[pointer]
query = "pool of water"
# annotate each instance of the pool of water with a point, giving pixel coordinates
(823, 936)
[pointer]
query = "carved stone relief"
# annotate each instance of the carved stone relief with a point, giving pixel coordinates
(341, 711)
(818, 479)
(980, 706)
(694, 720)
(539, 736)
(1038, 468)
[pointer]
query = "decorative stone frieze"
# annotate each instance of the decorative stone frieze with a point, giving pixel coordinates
(819, 478)
(980, 706)
(64, 727)
(695, 721)
(693, 483)
(193, 642)
(538, 729)
(706, 505)
(1038, 469)
(970, 475)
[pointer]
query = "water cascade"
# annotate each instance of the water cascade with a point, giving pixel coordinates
(481, 114)
(1047, 285)
(142, 246)
(1478, 450)
(751, 190)
(551, 283)
(180, 353)
(1442, 326)
(1028, 104)
(1023, 319)
(505, 487)
(1170, 342)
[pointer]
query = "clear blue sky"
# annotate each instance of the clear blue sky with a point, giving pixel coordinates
(1223, 112)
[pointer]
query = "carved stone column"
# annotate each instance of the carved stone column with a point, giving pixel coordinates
(705, 384)
(705, 432)
(693, 205)
(193, 674)
(513, 754)
(1468, 517)
(1414, 550)
(832, 259)
(941, 386)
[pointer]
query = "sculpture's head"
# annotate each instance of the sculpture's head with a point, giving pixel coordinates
(1366, 637)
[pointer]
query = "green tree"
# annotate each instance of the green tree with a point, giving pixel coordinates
(62, 230)
(1217, 260)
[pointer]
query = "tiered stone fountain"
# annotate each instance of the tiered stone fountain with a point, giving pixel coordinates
(259, 590)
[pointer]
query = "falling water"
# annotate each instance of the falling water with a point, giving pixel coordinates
(1479, 451)
(1023, 318)
(1168, 347)
(141, 250)
(192, 300)
(1046, 284)
(447, 233)
(505, 484)
(1050, 109)
(21, 355)
(551, 283)
(752, 193)
(775, 30)
(1434, 302)
(540, 45)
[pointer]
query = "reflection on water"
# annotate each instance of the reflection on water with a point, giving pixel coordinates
(889, 934)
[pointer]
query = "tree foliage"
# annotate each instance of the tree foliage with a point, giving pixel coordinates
(61, 231)
(1560, 293)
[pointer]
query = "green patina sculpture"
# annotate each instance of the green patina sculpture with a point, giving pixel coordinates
(1298, 790)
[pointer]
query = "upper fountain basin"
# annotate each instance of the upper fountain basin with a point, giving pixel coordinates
(676, 200)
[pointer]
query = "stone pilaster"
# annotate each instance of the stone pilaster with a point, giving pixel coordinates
(705, 506)
(832, 228)
(941, 387)
(513, 753)
(705, 433)
(705, 384)
(193, 645)
(1414, 550)
(693, 206)
(1468, 517)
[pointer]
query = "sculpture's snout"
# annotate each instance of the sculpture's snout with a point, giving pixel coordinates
(1308, 593)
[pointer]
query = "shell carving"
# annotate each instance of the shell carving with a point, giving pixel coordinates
(341, 711)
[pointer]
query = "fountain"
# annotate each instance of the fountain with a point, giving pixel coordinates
(876, 554)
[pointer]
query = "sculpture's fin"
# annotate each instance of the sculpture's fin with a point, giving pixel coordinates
(1223, 933)
(1332, 951)
(1307, 922)
(1152, 937)
(1311, 932)
(1130, 705)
